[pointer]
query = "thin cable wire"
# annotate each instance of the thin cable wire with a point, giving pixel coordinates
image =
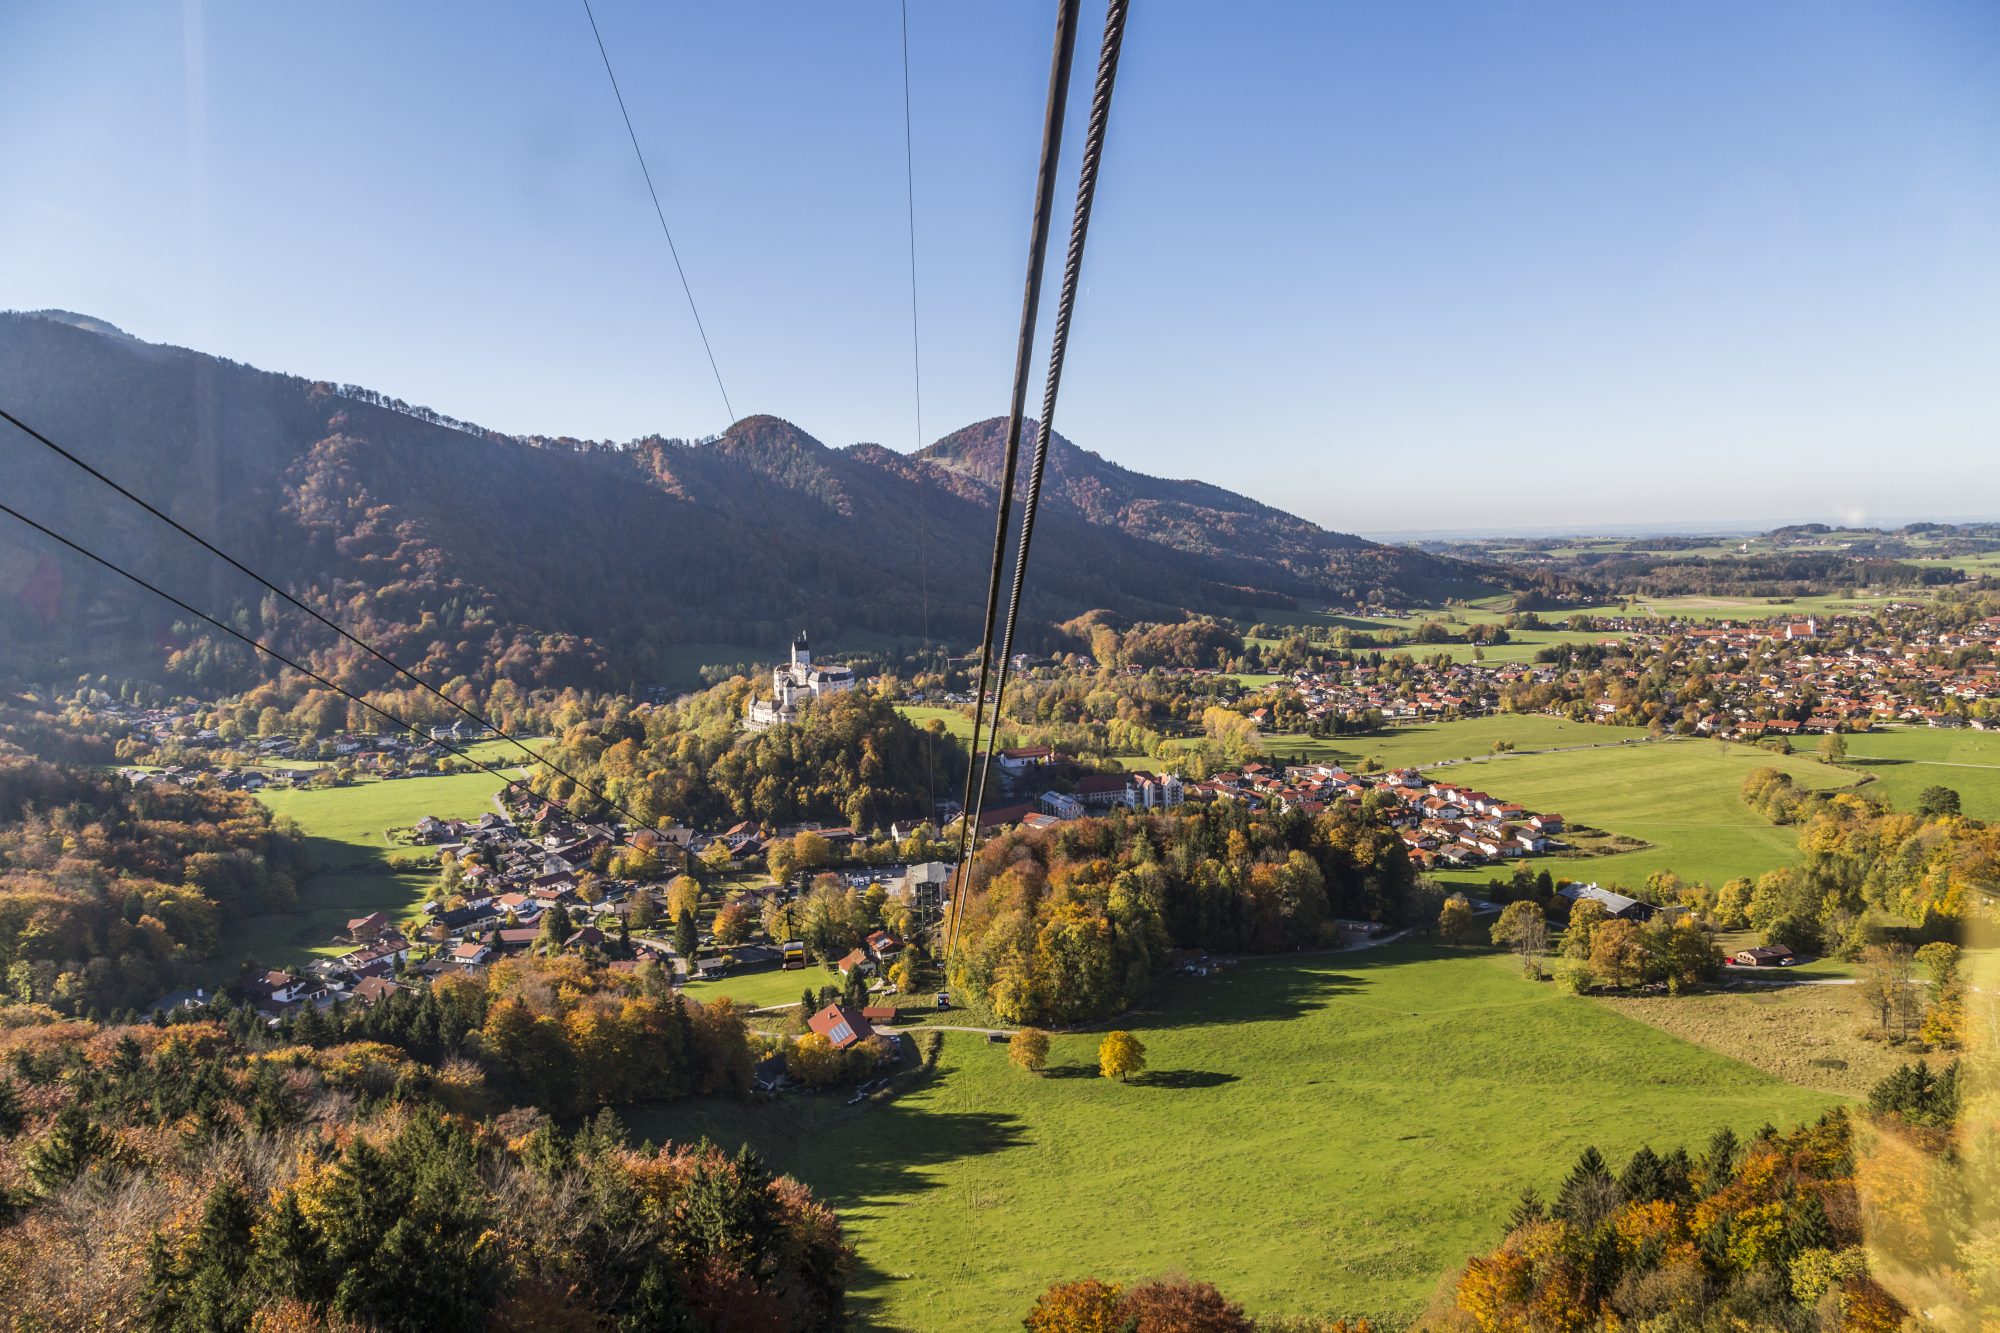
(331, 624)
(258, 644)
(1086, 192)
(658, 211)
(917, 382)
(1038, 242)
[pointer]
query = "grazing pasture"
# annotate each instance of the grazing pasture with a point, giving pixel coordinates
(1331, 1132)
(1905, 760)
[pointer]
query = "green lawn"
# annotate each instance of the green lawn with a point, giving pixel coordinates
(1682, 796)
(767, 986)
(1908, 759)
(1757, 608)
(1323, 1134)
(1523, 644)
(328, 900)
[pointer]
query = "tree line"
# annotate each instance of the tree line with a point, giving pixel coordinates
(187, 1180)
(112, 894)
(1074, 922)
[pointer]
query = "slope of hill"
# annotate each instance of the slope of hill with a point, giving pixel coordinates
(476, 554)
(1203, 519)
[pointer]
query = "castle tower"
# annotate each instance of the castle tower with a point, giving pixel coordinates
(801, 654)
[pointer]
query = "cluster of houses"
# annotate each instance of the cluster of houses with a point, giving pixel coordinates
(1419, 692)
(1893, 668)
(514, 880)
(1910, 675)
(1443, 825)
(176, 725)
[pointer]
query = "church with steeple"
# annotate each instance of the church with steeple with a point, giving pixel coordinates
(794, 684)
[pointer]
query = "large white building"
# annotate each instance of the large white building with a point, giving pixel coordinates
(795, 683)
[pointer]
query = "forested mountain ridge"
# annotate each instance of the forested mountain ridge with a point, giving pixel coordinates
(1205, 519)
(475, 554)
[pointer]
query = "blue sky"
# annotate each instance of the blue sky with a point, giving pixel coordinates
(1391, 266)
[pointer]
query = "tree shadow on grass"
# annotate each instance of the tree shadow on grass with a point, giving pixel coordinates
(1070, 1071)
(1260, 990)
(1181, 1078)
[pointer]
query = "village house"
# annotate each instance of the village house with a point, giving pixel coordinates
(841, 1026)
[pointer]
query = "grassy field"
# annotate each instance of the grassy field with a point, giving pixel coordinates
(1906, 760)
(1430, 743)
(766, 986)
(348, 826)
(346, 830)
(1333, 1133)
(328, 900)
(1808, 1035)
(956, 723)
(1683, 797)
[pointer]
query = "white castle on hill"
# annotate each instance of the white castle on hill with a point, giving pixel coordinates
(795, 683)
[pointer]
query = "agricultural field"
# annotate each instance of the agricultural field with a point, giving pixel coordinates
(1683, 798)
(348, 827)
(1982, 562)
(1328, 1133)
(328, 900)
(1905, 760)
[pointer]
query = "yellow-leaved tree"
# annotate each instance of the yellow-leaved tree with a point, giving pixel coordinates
(1120, 1055)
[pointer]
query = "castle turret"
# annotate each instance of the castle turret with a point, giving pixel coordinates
(801, 654)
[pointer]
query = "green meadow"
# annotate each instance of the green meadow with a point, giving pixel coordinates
(1905, 760)
(1684, 798)
(1419, 744)
(1329, 1133)
(347, 836)
(956, 723)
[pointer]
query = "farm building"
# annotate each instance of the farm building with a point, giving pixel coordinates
(1617, 904)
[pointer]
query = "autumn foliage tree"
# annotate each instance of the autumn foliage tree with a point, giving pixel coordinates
(1029, 1049)
(1163, 1305)
(1764, 1235)
(1120, 1055)
(1455, 919)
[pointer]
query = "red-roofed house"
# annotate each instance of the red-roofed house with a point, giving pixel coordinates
(841, 1026)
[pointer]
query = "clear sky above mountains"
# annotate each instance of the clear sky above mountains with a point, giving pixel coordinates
(1388, 266)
